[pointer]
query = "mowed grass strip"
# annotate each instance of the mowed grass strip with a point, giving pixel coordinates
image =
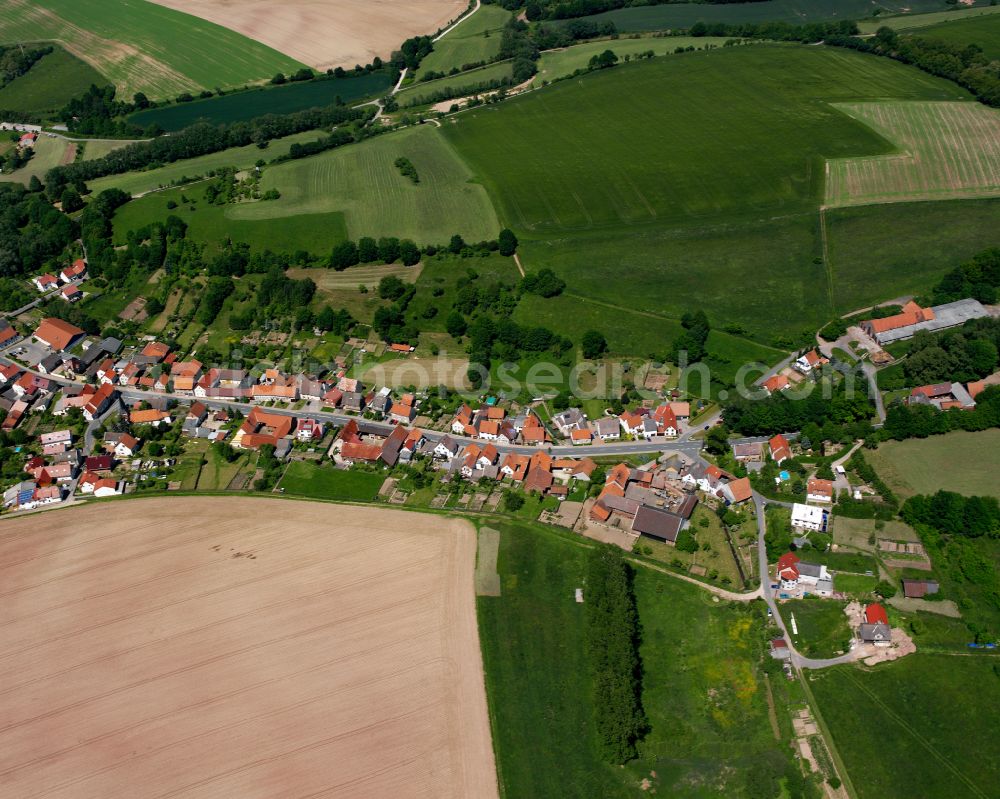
(50, 83)
(648, 142)
(324, 482)
(140, 46)
(946, 150)
(48, 152)
(136, 183)
(362, 182)
(475, 39)
(464, 82)
(982, 29)
(967, 463)
(927, 716)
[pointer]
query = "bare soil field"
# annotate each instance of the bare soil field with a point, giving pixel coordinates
(327, 33)
(240, 647)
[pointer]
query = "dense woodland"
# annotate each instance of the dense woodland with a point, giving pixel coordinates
(15, 61)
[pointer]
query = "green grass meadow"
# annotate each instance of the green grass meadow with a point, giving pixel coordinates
(475, 39)
(141, 46)
(213, 224)
(822, 626)
(558, 63)
(915, 727)
(703, 690)
(324, 482)
(362, 182)
(967, 463)
(50, 83)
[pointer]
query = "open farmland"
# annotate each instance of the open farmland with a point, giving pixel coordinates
(703, 690)
(590, 154)
(51, 83)
(967, 463)
(932, 19)
(980, 27)
(565, 61)
(286, 99)
(794, 12)
(362, 182)
(245, 647)
(327, 33)
(637, 170)
(98, 148)
(949, 150)
(927, 717)
(141, 46)
(475, 39)
(137, 183)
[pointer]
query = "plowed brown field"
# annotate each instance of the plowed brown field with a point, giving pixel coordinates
(240, 647)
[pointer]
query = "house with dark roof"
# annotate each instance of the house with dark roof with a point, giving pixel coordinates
(657, 524)
(918, 589)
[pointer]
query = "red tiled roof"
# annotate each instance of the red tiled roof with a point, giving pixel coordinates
(875, 614)
(57, 333)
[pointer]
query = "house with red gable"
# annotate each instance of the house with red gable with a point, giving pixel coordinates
(788, 570)
(811, 360)
(875, 629)
(75, 271)
(780, 450)
(666, 420)
(775, 383)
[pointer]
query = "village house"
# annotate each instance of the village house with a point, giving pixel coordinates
(775, 383)
(61, 438)
(309, 430)
(607, 428)
(71, 294)
(793, 572)
(75, 271)
(403, 411)
(819, 490)
(121, 445)
(8, 334)
(666, 421)
(809, 517)
(446, 449)
(569, 420)
(56, 334)
(750, 452)
(779, 448)
(811, 360)
(99, 402)
(943, 396)
(737, 491)
(45, 282)
(263, 428)
(875, 629)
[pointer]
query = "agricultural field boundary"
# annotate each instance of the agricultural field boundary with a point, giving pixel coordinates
(948, 150)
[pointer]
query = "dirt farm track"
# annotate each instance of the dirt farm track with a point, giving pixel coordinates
(240, 647)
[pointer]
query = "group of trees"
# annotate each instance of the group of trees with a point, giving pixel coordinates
(407, 169)
(692, 343)
(31, 230)
(979, 278)
(779, 413)
(613, 637)
(777, 31)
(200, 139)
(949, 513)
(964, 354)
(544, 283)
(16, 60)
(367, 250)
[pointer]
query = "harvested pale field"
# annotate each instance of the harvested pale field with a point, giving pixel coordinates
(421, 372)
(240, 647)
(327, 33)
(948, 151)
(368, 275)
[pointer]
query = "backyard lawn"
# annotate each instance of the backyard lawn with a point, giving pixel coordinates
(822, 625)
(325, 482)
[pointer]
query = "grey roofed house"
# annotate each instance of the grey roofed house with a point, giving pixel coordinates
(824, 587)
(50, 363)
(68, 456)
(916, 589)
(628, 507)
(103, 348)
(569, 419)
(686, 506)
(640, 494)
(875, 633)
(808, 569)
(748, 451)
(282, 448)
(951, 314)
(607, 426)
(655, 523)
(353, 401)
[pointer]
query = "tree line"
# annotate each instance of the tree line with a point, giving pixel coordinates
(921, 421)
(200, 139)
(949, 513)
(613, 636)
(779, 413)
(958, 355)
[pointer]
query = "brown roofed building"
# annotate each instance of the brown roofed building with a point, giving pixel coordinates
(57, 334)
